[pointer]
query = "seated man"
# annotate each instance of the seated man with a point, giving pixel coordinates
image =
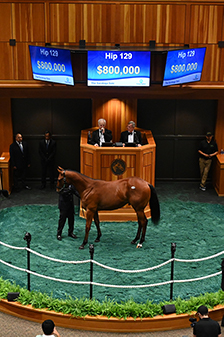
(49, 329)
(206, 326)
(101, 135)
(131, 135)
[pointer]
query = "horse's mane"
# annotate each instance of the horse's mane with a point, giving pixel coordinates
(81, 174)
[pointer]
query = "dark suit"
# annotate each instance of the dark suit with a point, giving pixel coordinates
(96, 138)
(47, 154)
(137, 137)
(66, 207)
(20, 160)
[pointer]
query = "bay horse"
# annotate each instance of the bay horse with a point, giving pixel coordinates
(97, 195)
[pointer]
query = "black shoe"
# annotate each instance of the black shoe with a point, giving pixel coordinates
(42, 187)
(59, 237)
(72, 236)
(27, 187)
(5, 193)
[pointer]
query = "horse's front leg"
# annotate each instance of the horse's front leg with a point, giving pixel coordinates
(97, 223)
(89, 217)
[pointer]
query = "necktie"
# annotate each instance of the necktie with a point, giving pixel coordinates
(21, 146)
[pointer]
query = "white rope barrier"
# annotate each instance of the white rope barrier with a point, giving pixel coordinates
(156, 284)
(12, 266)
(9, 246)
(55, 260)
(132, 286)
(109, 285)
(132, 271)
(87, 261)
(43, 276)
(202, 259)
(57, 279)
(198, 278)
(110, 268)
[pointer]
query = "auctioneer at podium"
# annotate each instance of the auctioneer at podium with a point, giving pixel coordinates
(112, 163)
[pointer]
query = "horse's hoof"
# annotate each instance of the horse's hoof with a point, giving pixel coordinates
(81, 247)
(139, 245)
(97, 240)
(133, 242)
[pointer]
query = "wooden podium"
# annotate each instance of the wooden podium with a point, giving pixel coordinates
(218, 174)
(112, 163)
(6, 177)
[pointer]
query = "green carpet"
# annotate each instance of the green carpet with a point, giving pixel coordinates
(196, 228)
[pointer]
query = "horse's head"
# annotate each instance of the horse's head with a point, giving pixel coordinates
(61, 182)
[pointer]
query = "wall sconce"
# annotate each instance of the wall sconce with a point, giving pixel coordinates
(221, 44)
(152, 44)
(12, 42)
(82, 43)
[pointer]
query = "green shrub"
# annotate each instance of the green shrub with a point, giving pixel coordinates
(109, 308)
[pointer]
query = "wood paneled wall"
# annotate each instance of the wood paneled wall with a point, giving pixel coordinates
(116, 112)
(6, 133)
(219, 133)
(104, 23)
(107, 23)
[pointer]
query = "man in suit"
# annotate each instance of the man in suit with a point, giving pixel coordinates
(131, 135)
(20, 161)
(47, 151)
(101, 135)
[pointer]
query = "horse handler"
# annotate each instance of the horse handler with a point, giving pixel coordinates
(207, 151)
(66, 207)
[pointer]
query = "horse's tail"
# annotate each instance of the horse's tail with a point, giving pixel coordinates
(154, 205)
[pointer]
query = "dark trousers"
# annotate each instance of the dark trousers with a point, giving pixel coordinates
(47, 167)
(64, 214)
(17, 175)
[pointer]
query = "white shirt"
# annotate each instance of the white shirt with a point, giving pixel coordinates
(131, 138)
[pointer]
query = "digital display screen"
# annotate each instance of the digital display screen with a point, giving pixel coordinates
(183, 66)
(51, 65)
(119, 68)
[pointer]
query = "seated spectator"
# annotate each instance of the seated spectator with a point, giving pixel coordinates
(49, 329)
(206, 327)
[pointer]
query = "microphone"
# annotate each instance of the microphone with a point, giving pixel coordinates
(136, 137)
(89, 137)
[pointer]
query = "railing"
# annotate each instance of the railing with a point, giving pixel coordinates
(91, 261)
